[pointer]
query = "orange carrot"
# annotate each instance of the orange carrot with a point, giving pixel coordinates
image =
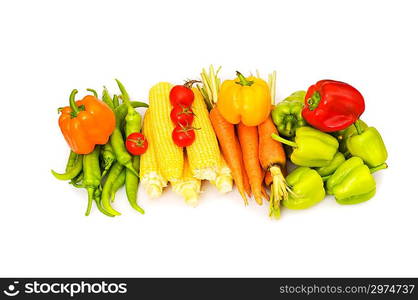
(247, 186)
(271, 152)
(272, 158)
(248, 138)
(231, 150)
(268, 179)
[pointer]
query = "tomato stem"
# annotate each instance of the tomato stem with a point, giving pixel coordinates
(189, 83)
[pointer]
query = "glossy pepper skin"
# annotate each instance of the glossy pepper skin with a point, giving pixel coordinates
(332, 105)
(311, 148)
(245, 100)
(287, 115)
(352, 182)
(343, 135)
(368, 145)
(85, 123)
(307, 188)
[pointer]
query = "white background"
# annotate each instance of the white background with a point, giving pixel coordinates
(47, 48)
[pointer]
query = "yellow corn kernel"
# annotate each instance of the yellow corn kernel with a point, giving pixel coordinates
(223, 181)
(150, 175)
(188, 186)
(203, 154)
(169, 155)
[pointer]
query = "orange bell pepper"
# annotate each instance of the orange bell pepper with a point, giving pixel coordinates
(86, 122)
(245, 100)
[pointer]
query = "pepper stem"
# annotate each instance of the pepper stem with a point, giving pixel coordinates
(379, 167)
(358, 127)
(243, 81)
(73, 105)
(278, 138)
(94, 92)
(314, 100)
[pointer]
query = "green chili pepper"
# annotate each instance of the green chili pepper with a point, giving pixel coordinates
(312, 148)
(333, 165)
(114, 172)
(73, 171)
(368, 145)
(108, 157)
(352, 182)
(115, 101)
(116, 139)
(92, 175)
(71, 160)
(122, 109)
(119, 182)
(106, 98)
(133, 124)
(97, 198)
(78, 180)
(287, 115)
(307, 188)
(343, 135)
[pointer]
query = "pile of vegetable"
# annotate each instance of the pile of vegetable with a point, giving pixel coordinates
(224, 132)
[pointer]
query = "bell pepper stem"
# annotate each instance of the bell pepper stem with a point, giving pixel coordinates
(243, 81)
(94, 92)
(73, 105)
(278, 138)
(378, 168)
(358, 127)
(314, 100)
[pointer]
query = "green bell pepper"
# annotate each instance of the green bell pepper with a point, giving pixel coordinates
(368, 145)
(312, 148)
(333, 165)
(343, 135)
(353, 182)
(307, 188)
(287, 115)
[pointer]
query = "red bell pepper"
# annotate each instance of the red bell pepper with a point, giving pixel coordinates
(332, 105)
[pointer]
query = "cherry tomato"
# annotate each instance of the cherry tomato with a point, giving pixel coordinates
(182, 115)
(183, 136)
(181, 95)
(136, 143)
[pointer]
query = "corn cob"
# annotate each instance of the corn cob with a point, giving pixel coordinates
(169, 155)
(149, 172)
(223, 181)
(188, 186)
(204, 154)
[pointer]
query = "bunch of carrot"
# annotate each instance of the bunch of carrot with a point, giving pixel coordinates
(250, 152)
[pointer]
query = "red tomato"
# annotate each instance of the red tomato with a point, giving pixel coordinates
(181, 95)
(183, 136)
(136, 143)
(182, 115)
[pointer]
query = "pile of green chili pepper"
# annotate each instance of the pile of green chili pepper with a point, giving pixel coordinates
(338, 163)
(109, 167)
